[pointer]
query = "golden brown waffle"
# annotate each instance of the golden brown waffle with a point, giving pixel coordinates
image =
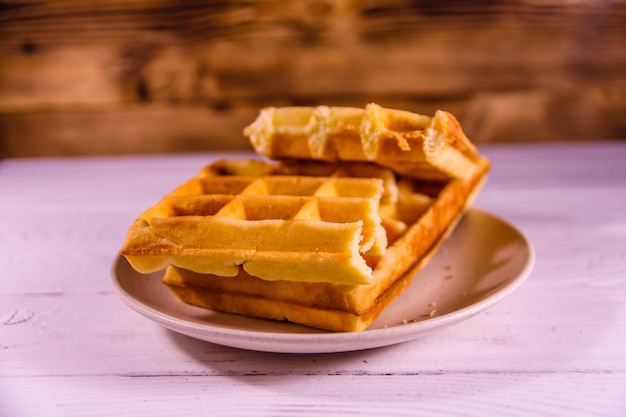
(291, 225)
(416, 217)
(342, 307)
(328, 236)
(411, 144)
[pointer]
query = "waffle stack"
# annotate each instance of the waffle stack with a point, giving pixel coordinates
(322, 237)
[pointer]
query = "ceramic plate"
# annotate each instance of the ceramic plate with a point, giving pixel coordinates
(483, 261)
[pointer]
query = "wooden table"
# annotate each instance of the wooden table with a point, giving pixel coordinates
(70, 347)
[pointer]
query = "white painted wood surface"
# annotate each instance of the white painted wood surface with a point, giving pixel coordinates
(70, 347)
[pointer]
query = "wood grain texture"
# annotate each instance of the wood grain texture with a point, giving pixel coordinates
(511, 71)
(70, 347)
(438, 394)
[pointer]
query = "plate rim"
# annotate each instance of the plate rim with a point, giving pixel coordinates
(329, 342)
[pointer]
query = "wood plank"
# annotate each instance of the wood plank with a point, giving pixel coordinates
(73, 326)
(512, 71)
(574, 394)
(589, 113)
(286, 51)
(131, 129)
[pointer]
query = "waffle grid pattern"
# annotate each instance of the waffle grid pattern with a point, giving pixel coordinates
(273, 226)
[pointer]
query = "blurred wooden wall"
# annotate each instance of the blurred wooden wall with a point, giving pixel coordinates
(111, 77)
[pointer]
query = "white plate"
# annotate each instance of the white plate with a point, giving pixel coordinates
(483, 261)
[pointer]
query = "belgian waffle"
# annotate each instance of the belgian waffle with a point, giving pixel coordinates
(275, 227)
(415, 145)
(415, 216)
(327, 236)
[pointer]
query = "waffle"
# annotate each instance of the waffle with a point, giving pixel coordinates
(415, 215)
(328, 234)
(275, 227)
(411, 144)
